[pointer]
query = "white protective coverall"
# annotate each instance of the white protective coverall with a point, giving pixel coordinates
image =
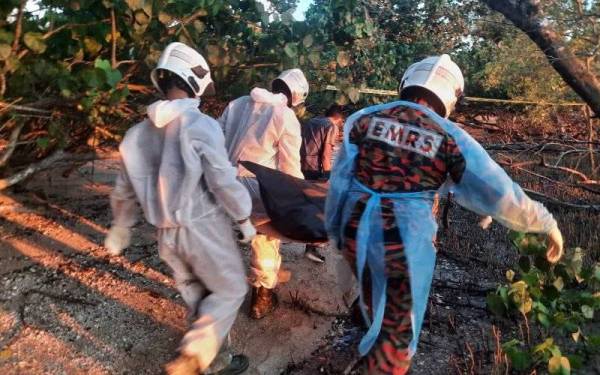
(176, 165)
(261, 128)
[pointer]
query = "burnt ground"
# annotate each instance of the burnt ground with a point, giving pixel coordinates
(66, 307)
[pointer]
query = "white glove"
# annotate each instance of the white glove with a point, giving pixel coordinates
(117, 240)
(247, 231)
(555, 246)
(485, 222)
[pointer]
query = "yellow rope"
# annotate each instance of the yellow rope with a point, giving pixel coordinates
(468, 98)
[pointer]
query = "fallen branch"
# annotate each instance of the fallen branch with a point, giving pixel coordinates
(584, 179)
(18, 25)
(113, 37)
(58, 156)
(595, 207)
(12, 144)
(14, 107)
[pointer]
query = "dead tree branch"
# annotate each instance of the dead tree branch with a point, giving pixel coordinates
(12, 144)
(527, 16)
(58, 156)
(113, 37)
(595, 207)
(19, 25)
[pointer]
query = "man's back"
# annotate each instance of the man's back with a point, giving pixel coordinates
(261, 128)
(315, 134)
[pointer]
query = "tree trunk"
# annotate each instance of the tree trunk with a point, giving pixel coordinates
(526, 15)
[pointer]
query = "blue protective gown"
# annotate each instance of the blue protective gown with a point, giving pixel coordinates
(484, 188)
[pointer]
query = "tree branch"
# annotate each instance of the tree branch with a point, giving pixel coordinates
(43, 164)
(526, 15)
(113, 37)
(12, 144)
(19, 26)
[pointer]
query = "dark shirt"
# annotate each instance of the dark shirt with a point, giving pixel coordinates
(316, 134)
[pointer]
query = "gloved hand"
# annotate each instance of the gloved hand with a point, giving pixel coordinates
(485, 222)
(555, 246)
(117, 240)
(247, 231)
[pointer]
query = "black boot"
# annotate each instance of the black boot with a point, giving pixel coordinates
(239, 364)
(264, 302)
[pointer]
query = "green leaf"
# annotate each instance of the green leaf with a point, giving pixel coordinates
(543, 319)
(102, 64)
(307, 41)
(587, 311)
(516, 238)
(12, 64)
(551, 293)
(35, 42)
(5, 51)
(291, 49)
(559, 366)
(42, 142)
(542, 263)
(113, 77)
(495, 304)
(575, 361)
(524, 263)
(93, 78)
(545, 346)
(519, 359)
(6, 36)
(597, 272)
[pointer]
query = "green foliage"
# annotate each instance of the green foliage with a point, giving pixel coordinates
(561, 298)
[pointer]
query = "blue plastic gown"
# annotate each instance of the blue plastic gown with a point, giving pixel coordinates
(484, 188)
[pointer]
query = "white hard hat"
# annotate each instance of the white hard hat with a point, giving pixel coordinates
(188, 64)
(297, 83)
(440, 76)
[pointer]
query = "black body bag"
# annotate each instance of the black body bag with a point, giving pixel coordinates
(296, 207)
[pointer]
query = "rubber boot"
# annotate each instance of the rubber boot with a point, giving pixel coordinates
(239, 364)
(264, 302)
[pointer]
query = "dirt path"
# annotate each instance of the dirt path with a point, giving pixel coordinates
(67, 307)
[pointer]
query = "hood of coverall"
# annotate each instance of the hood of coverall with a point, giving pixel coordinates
(297, 83)
(163, 112)
(265, 96)
(438, 75)
(189, 65)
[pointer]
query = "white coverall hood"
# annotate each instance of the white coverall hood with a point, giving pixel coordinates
(265, 96)
(440, 76)
(163, 112)
(297, 83)
(189, 65)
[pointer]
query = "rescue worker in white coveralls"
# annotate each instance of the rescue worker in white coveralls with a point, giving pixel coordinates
(262, 128)
(394, 159)
(176, 164)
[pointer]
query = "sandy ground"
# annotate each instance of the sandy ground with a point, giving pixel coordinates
(68, 308)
